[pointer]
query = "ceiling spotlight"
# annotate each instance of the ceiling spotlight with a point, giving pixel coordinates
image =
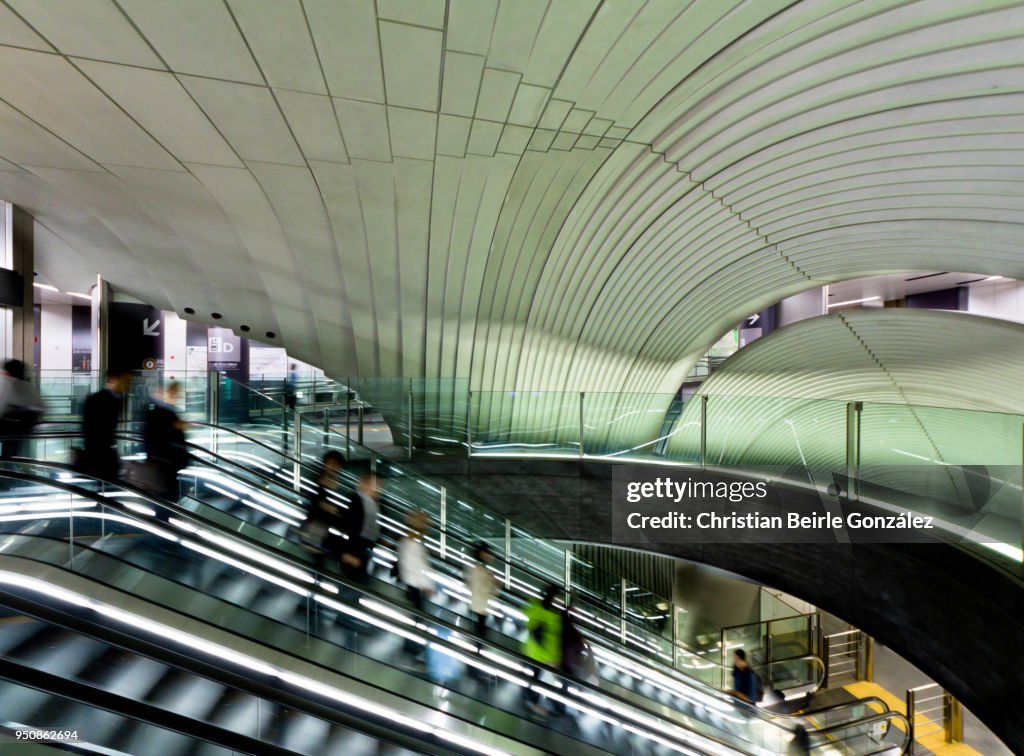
(190, 310)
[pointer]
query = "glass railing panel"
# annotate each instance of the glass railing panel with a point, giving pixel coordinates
(807, 438)
(682, 436)
(962, 467)
(791, 637)
(525, 422)
(615, 423)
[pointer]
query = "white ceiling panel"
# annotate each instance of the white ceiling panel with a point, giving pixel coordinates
(88, 28)
(24, 142)
(279, 35)
(249, 119)
(197, 37)
(345, 32)
(412, 65)
(364, 126)
(315, 125)
(416, 12)
(15, 32)
(462, 76)
(413, 133)
(50, 91)
(158, 102)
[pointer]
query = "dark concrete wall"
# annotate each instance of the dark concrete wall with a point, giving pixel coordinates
(953, 612)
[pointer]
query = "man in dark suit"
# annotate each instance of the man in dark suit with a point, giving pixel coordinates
(100, 416)
(359, 524)
(164, 438)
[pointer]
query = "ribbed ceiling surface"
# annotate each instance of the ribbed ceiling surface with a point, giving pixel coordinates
(548, 195)
(894, 356)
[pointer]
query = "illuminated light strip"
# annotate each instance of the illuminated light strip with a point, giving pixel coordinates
(228, 654)
(482, 667)
(280, 582)
(223, 492)
(510, 663)
(387, 611)
(257, 556)
(140, 508)
(49, 506)
(288, 520)
(369, 619)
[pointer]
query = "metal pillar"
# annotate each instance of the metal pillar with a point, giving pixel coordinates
(20, 258)
(360, 436)
(703, 431)
(469, 425)
(297, 465)
(853, 410)
(568, 575)
(444, 522)
(868, 672)
(954, 719)
(581, 424)
(508, 555)
(622, 609)
(408, 430)
(348, 423)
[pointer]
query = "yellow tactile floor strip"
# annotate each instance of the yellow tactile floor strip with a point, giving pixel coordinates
(932, 739)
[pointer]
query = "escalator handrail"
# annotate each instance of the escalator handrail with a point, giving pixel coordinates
(829, 732)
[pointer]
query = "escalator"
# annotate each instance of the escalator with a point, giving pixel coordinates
(123, 540)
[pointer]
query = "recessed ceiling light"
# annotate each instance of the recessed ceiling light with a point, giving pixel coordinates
(190, 311)
(80, 296)
(216, 315)
(271, 335)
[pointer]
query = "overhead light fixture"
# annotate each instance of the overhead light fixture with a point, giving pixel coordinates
(45, 286)
(994, 278)
(852, 301)
(77, 294)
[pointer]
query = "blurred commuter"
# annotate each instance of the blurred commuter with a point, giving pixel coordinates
(100, 416)
(543, 642)
(744, 679)
(801, 742)
(21, 408)
(412, 561)
(164, 438)
(359, 525)
(412, 568)
(324, 514)
(291, 386)
(577, 656)
(483, 586)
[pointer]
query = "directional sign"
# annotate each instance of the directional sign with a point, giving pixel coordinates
(150, 330)
(752, 320)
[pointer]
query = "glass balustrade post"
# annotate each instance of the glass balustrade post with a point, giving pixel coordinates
(853, 415)
(360, 437)
(348, 422)
(622, 609)
(469, 424)
(444, 522)
(297, 465)
(568, 576)
(581, 425)
(408, 430)
(508, 555)
(703, 431)
(327, 425)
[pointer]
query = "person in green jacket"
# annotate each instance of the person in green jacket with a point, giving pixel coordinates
(543, 641)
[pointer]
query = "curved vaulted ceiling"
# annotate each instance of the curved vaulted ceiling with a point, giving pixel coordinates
(549, 195)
